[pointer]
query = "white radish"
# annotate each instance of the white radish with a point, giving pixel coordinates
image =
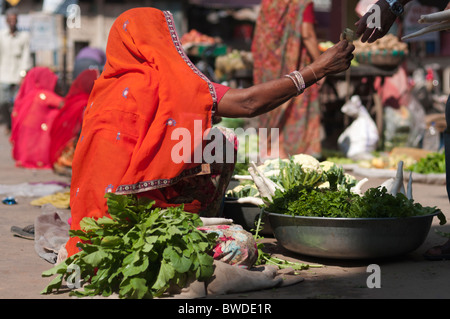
(209, 221)
(409, 188)
(435, 17)
(397, 186)
(265, 186)
(445, 25)
(357, 188)
(388, 184)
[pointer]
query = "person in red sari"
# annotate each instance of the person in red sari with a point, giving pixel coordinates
(35, 108)
(67, 124)
(285, 40)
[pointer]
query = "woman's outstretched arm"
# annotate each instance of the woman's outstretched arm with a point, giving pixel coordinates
(264, 97)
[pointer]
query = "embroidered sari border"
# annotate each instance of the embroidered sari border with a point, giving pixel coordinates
(177, 43)
(159, 183)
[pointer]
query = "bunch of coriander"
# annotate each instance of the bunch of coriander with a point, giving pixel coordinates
(138, 252)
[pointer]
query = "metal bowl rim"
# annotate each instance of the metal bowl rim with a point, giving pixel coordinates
(350, 218)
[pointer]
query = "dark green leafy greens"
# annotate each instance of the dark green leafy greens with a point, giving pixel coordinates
(138, 252)
(375, 203)
(337, 179)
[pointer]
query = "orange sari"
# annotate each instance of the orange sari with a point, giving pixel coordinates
(147, 90)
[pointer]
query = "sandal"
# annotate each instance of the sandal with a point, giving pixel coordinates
(27, 232)
(438, 253)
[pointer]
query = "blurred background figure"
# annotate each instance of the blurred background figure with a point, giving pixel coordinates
(15, 61)
(285, 40)
(35, 108)
(67, 125)
(89, 58)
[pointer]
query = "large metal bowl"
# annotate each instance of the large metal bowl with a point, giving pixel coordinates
(350, 238)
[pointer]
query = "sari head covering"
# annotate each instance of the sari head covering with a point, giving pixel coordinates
(148, 90)
(34, 111)
(67, 124)
(278, 50)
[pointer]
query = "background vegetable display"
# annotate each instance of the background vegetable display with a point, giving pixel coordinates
(138, 252)
(433, 163)
(388, 50)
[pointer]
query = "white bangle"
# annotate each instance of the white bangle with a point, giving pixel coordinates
(298, 80)
(299, 77)
(295, 82)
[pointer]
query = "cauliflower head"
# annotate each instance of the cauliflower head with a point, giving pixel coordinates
(308, 163)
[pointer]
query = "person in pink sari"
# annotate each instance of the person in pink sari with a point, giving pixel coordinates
(35, 108)
(285, 40)
(67, 124)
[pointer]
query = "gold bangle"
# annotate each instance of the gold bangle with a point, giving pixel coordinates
(312, 72)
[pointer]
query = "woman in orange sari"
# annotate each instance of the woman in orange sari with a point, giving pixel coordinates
(150, 99)
(285, 40)
(35, 108)
(67, 124)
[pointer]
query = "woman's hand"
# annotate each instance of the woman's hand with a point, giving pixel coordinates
(335, 60)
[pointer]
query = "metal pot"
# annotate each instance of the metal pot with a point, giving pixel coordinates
(350, 238)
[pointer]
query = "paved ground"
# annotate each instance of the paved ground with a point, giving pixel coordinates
(405, 277)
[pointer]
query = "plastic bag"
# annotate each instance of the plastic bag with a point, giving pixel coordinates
(361, 137)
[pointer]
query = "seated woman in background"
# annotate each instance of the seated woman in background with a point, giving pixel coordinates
(45, 124)
(67, 124)
(89, 58)
(35, 108)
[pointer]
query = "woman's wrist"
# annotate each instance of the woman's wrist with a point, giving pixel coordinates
(312, 74)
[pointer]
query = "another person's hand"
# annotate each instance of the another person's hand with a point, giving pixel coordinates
(373, 33)
(335, 60)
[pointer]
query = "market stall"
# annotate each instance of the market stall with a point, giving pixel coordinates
(373, 64)
(219, 39)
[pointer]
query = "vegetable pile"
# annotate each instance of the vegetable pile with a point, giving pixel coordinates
(433, 163)
(226, 65)
(138, 252)
(194, 36)
(375, 203)
(308, 187)
(332, 195)
(299, 169)
(389, 43)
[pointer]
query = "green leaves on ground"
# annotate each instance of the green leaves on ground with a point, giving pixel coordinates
(138, 252)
